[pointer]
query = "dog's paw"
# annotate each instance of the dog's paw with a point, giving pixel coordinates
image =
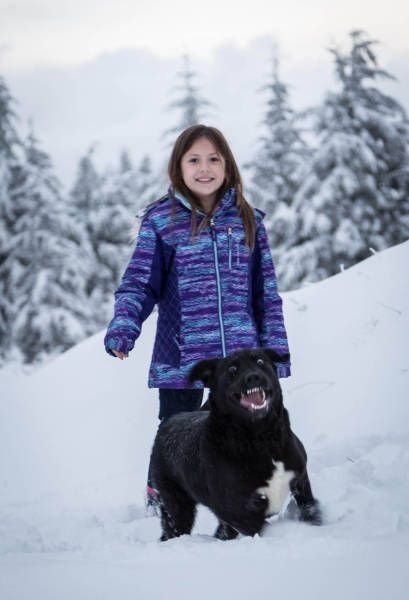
(225, 532)
(311, 513)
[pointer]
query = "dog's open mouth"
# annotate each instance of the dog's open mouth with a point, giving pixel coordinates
(254, 399)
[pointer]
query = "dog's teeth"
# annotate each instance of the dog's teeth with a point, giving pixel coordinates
(254, 391)
(257, 390)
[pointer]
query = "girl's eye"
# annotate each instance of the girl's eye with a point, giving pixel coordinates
(193, 160)
(215, 159)
(260, 362)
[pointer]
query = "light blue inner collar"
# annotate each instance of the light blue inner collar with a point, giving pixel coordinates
(183, 200)
(227, 199)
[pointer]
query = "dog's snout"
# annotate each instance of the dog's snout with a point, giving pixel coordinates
(252, 380)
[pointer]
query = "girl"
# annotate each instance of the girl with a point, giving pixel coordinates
(202, 256)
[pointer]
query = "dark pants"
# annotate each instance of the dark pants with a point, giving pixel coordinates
(173, 401)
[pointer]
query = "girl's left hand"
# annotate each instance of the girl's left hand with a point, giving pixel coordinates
(120, 355)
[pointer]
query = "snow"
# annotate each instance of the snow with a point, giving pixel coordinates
(75, 438)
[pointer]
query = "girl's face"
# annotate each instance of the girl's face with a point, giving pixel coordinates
(203, 171)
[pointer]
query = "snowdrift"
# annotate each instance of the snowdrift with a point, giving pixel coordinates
(75, 438)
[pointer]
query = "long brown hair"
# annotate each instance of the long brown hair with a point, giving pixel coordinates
(233, 178)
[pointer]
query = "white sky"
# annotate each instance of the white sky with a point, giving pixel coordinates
(68, 32)
(114, 63)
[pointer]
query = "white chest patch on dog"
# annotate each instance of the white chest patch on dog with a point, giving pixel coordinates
(277, 488)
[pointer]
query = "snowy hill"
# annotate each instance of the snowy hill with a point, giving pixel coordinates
(74, 443)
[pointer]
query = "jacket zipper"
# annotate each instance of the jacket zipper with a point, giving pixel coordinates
(219, 293)
(229, 232)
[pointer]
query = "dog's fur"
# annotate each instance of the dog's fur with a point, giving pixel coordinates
(226, 457)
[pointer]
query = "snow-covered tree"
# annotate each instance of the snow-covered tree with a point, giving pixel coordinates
(355, 194)
(51, 310)
(147, 186)
(10, 152)
(277, 168)
(85, 193)
(110, 227)
(189, 102)
(123, 194)
(85, 200)
(105, 206)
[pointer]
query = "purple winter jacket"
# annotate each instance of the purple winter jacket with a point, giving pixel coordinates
(214, 295)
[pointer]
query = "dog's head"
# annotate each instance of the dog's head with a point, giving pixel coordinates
(244, 383)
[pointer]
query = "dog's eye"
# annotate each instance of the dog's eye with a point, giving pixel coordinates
(232, 370)
(260, 362)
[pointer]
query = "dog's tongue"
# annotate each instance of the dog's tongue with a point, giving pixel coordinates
(253, 398)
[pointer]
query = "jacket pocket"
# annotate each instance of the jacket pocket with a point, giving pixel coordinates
(229, 244)
(237, 251)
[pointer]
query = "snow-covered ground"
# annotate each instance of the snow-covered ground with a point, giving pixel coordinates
(74, 444)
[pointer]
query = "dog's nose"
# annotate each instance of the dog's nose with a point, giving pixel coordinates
(252, 380)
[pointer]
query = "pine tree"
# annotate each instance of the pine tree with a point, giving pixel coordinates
(137, 185)
(86, 190)
(10, 154)
(123, 194)
(275, 172)
(105, 206)
(125, 163)
(85, 199)
(190, 102)
(147, 188)
(355, 196)
(48, 275)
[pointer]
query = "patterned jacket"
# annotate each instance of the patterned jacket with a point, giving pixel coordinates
(214, 295)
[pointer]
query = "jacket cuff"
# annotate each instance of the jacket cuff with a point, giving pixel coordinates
(119, 344)
(283, 371)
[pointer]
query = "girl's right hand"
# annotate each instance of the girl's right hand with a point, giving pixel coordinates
(120, 355)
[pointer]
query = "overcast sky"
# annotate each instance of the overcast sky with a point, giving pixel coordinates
(101, 71)
(56, 32)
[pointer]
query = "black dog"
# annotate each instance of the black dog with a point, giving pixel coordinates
(239, 458)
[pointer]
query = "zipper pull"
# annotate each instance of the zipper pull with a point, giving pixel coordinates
(212, 229)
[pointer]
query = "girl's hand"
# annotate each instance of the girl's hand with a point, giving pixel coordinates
(120, 355)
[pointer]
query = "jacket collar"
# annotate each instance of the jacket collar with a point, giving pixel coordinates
(226, 201)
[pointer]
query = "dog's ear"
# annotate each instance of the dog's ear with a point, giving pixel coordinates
(276, 358)
(204, 370)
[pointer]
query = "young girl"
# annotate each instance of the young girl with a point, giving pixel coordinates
(202, 256)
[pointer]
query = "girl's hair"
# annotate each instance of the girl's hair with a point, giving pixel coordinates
(233, 178)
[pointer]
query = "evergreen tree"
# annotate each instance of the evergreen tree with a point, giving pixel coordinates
(147, 188)
(189, 101)
(110, 227)
(48, 277)
(123, 194)
(125, 162)
(85, 199)
(10, 153)
(276, 171)
(355, 196)
(85, 193)
(105, 206)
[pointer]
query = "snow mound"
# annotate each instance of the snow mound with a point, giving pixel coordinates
(75, 438)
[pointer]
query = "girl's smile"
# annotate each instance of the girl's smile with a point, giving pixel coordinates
(203, 172)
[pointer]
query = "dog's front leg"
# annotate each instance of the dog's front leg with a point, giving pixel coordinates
(177, 515)
(309, 509)
(254, 517)
(225, 532)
